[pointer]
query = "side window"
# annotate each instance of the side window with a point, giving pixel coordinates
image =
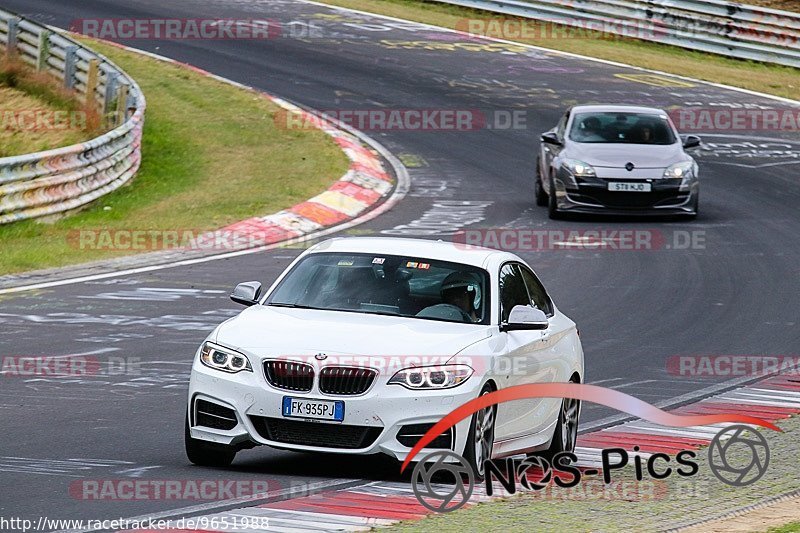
(512, 290)
(539, 297)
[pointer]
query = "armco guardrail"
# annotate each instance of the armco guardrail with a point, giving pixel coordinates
(726, 28)
(63, 179)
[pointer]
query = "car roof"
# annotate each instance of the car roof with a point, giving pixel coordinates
(422, 248)
(617, 108)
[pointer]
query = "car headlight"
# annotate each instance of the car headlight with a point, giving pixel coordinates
(224, 359)
(432, 377)
(579, 169)
(684, 171)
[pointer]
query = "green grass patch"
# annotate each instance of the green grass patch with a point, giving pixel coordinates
(212, 154)
(770, 79)
(37, 113)
(793, 527)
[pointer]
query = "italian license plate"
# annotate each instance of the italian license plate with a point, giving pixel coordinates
(316, 409)
(618, 186)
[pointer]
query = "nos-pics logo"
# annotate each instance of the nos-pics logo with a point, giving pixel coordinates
(443, 481)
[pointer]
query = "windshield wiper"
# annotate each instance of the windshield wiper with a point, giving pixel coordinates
(292, 306)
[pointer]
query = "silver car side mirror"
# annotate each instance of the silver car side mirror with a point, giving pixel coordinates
(551, 138)
(246, 293)
(691, 141)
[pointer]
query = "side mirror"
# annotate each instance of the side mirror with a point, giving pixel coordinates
(551, 138)
(246, 293)
(525, 317)
(691, 141)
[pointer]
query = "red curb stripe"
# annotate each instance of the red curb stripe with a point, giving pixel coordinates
(267, 231)
(344, 142)
(294, 505)
(367, 506)
(358, 167)
(646, 443)
(409, 502)
(319, 213)
(357, 192)
(783, 382)
(647, 438)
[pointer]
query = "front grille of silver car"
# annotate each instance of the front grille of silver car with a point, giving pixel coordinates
(315, 434)
(289, 375)
(346, 380)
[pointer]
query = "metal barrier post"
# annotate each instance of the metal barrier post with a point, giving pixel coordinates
(91, 80)
(122, 103)
(11, 46)
(69, 66)
(44, 50)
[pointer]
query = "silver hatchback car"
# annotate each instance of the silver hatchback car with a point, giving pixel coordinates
(617, 159)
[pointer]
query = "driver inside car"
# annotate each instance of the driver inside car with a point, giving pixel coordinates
(463, 290)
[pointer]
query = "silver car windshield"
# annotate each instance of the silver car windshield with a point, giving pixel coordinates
(621, 128)
(387, 285)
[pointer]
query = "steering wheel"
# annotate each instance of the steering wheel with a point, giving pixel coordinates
(445, 311)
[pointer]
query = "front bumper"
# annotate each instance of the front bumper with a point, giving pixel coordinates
(592, 196)
(373, 419)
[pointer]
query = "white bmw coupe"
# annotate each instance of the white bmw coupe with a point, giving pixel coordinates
(362, 344)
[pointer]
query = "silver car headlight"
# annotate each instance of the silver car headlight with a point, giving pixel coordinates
(432, 377)
(576, 169)
(579, 169)
(685, 171)
(224, 359)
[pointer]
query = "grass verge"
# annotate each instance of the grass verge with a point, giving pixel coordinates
(37, 114)
(212, 154)
(770, 79)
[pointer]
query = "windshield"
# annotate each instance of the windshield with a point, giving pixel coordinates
(386, 284)
(628, 128)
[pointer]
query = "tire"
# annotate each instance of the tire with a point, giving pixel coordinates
(566, 432)
(541, 196)
(204, 453)
(552, 207)
(474, 457)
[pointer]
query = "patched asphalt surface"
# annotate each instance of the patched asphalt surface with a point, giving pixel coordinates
(735, 294)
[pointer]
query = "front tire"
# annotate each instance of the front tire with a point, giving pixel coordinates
(541, 196)
(566, 434)
(552, 206)
(480, 439)
(204, 453)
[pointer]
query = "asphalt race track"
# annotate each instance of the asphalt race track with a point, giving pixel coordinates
(736, 293)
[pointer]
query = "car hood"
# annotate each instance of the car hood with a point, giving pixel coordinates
(617, 155)
(267, 331)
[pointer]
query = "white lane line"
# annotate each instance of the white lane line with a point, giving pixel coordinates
(764, 396)
(766, 403)
(772, 393)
